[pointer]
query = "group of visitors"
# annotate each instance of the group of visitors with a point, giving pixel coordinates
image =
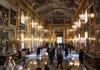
(55, 51)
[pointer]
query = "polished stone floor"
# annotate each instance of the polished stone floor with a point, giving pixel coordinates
(33, 65)
(39, 61)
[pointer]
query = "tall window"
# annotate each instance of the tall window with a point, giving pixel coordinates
(59, 39)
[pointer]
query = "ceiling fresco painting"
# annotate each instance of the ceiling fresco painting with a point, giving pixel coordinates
(55, 11)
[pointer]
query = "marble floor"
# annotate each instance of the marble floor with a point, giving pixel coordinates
(39, 61)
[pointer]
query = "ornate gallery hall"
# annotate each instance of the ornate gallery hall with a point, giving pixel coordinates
(49, 34)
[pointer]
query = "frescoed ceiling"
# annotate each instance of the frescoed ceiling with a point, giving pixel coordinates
(55, 11)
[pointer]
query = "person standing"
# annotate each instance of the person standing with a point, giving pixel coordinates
(23, 53)
(81, 56)
(51, 55)
(81, 59)
(38, 51)
(59, 59)
(19, 54)
(66, 51)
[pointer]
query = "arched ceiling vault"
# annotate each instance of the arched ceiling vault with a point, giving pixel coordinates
(55, 11)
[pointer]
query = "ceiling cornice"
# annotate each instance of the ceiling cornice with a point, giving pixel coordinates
(59, 25)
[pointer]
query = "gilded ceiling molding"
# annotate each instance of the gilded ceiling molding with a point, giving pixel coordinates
(58, 25)
(82, 4)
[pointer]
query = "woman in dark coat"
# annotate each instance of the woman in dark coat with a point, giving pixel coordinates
(59, 59)
(66, 51)
(81, 55)
(38, 51)
(51, 55)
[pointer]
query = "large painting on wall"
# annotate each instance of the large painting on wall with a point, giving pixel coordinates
(12, 33)
(3, 16)
(97, 10)
(3, 42)
(13, 17)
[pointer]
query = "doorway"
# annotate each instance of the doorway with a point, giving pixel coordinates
(59, 39)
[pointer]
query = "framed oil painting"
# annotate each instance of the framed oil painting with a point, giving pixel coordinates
(3, 16)
(13, 17)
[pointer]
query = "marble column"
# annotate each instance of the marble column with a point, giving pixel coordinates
(64, 33)
(50, 32)
(27, 39)
(18, 29)
(53, 36)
